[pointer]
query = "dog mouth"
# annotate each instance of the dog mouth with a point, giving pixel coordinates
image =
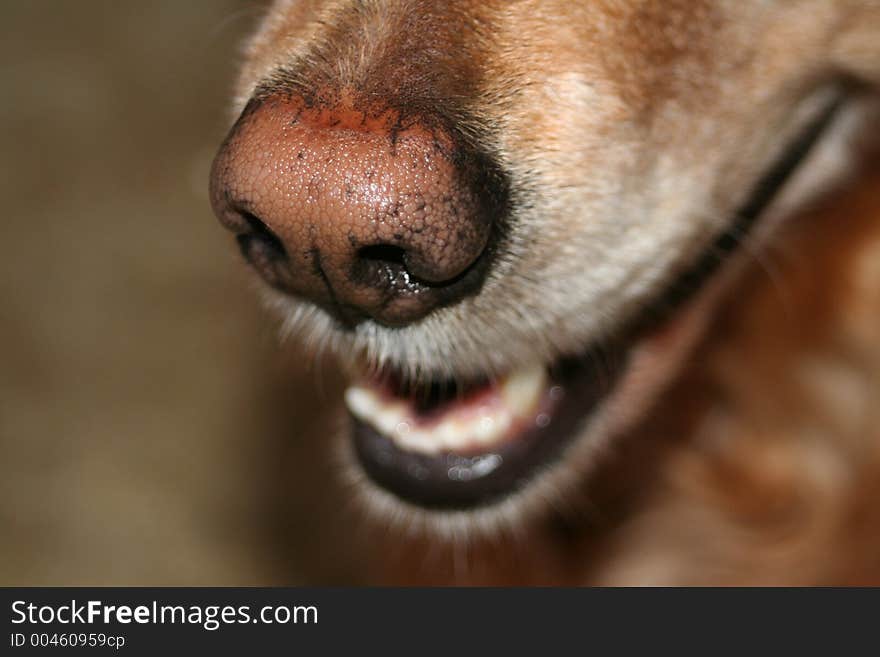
(458, 445)
(454, 445)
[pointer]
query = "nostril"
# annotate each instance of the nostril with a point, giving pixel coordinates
(386, 254)
(260, 236)
(390, 266)
(382, 265)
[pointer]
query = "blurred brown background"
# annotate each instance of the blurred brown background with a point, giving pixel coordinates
(148, 425)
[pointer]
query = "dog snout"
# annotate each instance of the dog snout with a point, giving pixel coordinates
(362, 211)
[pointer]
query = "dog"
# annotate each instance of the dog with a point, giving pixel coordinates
(603, 278)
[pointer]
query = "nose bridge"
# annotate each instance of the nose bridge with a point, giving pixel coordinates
(412, 53)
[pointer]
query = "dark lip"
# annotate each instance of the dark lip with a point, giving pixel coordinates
(461, 481)
(453, 481)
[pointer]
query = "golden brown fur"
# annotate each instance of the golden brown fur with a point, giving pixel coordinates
(632, 131)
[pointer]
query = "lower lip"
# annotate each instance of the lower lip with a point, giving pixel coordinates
(455, 480)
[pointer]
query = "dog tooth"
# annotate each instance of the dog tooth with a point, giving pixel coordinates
(503, 422)
(522, 389)
(490, 428)
(406, 439)
(409, 440)
(485, 430)
(387, 418)
(450, 434)
(421, 441)
(361, 402)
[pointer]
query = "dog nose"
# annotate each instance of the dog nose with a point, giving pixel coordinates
(364, 212)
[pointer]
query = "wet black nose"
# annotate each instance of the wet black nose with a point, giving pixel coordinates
(356, 211)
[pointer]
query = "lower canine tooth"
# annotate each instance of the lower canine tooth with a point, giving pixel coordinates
(522, 390)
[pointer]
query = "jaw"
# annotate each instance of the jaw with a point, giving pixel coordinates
(546, 464)
(440, 471)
